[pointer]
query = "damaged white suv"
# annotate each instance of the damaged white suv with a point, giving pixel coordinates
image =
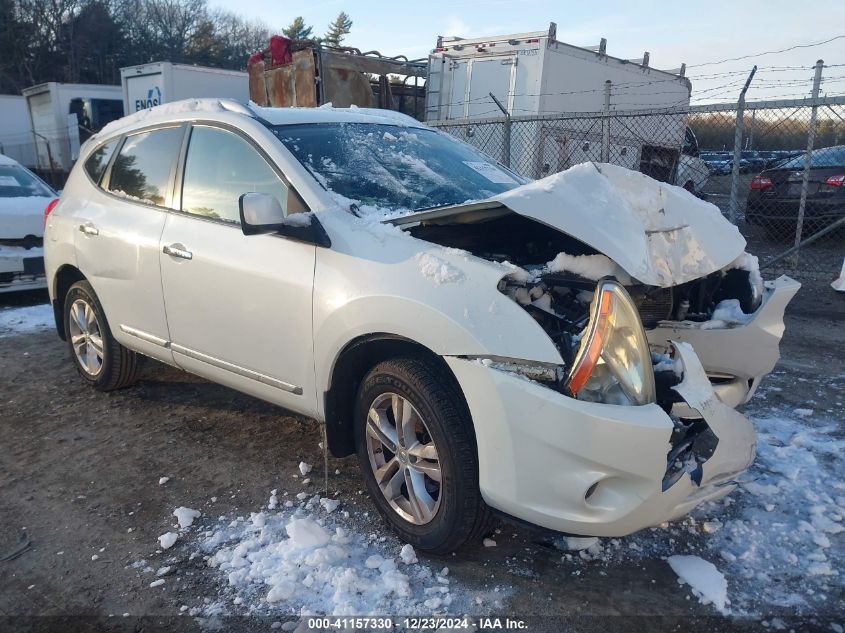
(568, 352)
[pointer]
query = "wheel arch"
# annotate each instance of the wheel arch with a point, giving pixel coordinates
(65, 277)
(351, 365)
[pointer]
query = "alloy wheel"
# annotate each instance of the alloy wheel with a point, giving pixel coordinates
(404, 458)
(86, 337)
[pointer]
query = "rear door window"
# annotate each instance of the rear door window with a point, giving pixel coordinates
(142, 168)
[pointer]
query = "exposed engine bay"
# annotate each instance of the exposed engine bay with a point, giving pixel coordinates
(558, 297)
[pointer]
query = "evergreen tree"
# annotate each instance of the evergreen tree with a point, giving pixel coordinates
(297, 30)
(338, 29)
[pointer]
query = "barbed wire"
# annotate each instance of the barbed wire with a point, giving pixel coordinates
(753, 55)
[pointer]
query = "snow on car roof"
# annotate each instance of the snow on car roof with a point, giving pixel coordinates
(5, 160)
(177, 110)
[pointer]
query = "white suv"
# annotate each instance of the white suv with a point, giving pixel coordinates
(568, 352)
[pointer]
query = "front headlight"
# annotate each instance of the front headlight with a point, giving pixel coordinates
(613, 363)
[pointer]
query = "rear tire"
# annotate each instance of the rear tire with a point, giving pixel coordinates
(98, 357)
(439, 441)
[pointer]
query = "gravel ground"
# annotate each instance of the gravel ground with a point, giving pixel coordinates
(79, 476)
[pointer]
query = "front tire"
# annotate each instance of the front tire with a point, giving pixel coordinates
(98, 357)
(421, 473)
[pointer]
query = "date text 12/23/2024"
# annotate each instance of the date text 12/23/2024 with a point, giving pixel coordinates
(416, 623)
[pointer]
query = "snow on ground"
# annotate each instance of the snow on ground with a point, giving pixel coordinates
(304, 560)
(15, 321)
(772, 548)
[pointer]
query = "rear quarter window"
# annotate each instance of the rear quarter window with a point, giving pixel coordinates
(143, 165)
(97, 162)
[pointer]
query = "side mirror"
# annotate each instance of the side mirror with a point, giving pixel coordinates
(261, 214)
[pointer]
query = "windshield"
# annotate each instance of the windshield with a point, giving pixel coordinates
(825, 157)
(391, 167)
(17, 182)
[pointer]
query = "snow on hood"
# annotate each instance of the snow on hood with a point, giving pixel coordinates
(659, 234)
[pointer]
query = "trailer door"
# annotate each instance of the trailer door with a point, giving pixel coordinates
(490, 74)
(44, 127)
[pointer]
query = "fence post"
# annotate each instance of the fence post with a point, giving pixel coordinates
(506, 141)
(605, 124)
(811, 139)
(740, 109)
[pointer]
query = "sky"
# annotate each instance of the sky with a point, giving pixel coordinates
(673, 33)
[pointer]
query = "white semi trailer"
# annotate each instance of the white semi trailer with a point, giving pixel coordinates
(149, 85)
(534, 75)
(61, 116)
(15, 135)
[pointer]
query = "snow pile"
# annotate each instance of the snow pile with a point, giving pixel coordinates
(167, 540)
(299, 561)
(706, 581)
(588, 266)
(185, 516)
(29, 319)
(725, 314)
(437, 270)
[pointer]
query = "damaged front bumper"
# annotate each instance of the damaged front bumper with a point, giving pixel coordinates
(596, 469)
(735, 357)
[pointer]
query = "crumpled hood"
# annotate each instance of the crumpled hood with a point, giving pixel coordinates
(660, 234)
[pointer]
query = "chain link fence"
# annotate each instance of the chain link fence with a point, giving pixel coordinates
(789, 209)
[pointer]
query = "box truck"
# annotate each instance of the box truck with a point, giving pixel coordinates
(149, 85)
(15, 134)
(534, 74)
(62, 116)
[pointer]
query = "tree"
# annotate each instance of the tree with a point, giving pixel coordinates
(88, 41)
(297, 30)
(341, 26)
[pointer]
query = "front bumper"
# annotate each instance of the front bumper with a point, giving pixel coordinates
(594, 469)
(21, 269)
(736, 356)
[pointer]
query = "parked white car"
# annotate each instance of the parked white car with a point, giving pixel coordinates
(568, 352)
(24, 197)
(692, 173)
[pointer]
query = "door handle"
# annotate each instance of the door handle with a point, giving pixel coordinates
(177, 250)
(89, 229)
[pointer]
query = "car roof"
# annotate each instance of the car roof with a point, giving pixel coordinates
(187, 109)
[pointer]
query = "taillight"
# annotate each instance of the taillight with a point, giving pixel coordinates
(761, 182)
(835, 181)
(49, 209)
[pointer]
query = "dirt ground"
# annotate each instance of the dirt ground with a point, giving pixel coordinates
(79, 475)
